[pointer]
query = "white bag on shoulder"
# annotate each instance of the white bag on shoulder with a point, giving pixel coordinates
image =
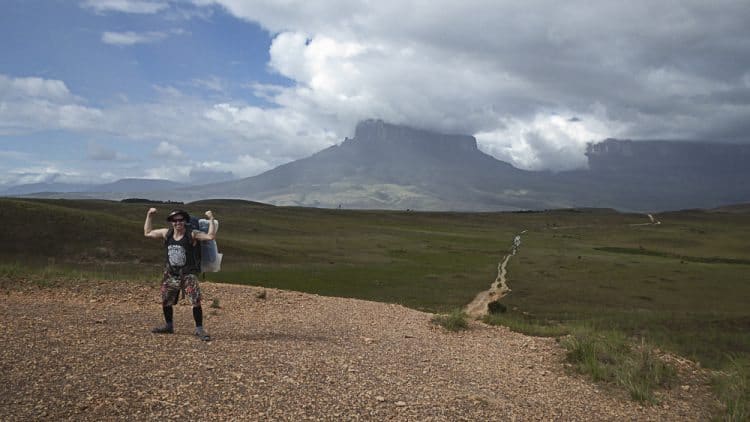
(210, 256)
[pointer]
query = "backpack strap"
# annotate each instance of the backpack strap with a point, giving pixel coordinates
(170, 232)
(196, 248)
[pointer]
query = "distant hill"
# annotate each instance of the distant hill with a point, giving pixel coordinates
(28, 188)
(137, 185)
(734, 209)
(120, 186)
(386, 166)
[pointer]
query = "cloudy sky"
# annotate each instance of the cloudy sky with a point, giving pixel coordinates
(202, 90)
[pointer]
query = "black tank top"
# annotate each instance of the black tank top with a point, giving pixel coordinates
(181, 255)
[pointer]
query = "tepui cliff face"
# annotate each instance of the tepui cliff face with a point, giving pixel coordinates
(386, 166)
(701, 158)
(394, 136)
(395, 167)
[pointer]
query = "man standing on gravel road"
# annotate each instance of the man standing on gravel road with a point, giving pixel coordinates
(182, 266)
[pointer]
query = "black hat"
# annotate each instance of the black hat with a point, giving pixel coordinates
(175, 213)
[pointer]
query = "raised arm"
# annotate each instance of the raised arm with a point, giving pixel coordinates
(211, 235)
(148, 231)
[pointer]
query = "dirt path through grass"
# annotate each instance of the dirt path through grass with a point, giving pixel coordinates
(499, 288)
(652, 221)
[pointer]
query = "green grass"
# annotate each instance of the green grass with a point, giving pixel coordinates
(647, 252)
(454, 321)
(732, 387)
(609, 356)
(521, 324)
(678, 284)
(16, 275)
(682, 285)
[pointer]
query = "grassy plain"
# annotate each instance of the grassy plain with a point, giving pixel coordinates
(683, 284)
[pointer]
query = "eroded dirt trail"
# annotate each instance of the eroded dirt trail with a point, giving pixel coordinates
(499, 288)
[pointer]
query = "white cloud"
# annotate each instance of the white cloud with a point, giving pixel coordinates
(126, 6)
(513, 73)
(167, 150)
(42, 173)
(648, 68)
(247, 165)
(545, 142)
(169, 126)
(281, 16)
(130, 38)
(33, 87)
(212, 83)
(35, 104)
(278, 135)
(175, 173)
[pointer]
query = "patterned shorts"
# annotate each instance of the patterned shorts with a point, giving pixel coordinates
(171, 286)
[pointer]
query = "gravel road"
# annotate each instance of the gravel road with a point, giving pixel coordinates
(86, 353)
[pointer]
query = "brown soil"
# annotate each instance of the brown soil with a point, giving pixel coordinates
(498, 289)
(86, 353)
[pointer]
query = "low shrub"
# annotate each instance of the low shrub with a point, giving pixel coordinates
(455, 321)
(495, 307)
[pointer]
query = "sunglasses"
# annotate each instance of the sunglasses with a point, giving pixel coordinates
(178, 220)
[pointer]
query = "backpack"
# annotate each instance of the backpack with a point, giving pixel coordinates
(211, 258)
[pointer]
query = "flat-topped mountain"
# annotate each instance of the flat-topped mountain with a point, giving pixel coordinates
(663, 175)
(393, 167)
(668, 157)
(387, 166)
(397, 167)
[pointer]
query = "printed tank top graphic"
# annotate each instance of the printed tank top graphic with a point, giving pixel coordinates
(180, 255)
(177, 256)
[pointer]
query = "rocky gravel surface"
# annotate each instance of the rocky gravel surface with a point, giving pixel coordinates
(86, 353)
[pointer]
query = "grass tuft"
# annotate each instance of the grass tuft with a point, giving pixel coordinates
(14, 270)
(732, 387)
(643, 372)
(455, 321)
(607, 356)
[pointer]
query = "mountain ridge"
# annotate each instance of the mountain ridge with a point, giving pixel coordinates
(119, 186)
(386, 166)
